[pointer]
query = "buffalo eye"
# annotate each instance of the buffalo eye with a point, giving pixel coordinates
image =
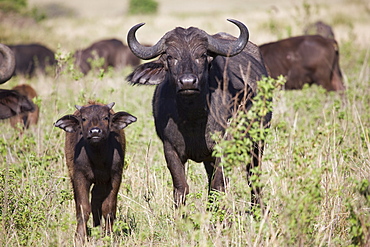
(106, 118)
(83, 119)
(171, 60)
(201, 58)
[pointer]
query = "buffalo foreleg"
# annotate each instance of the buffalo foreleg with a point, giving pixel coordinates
(216, 178)
(177, 170)
(216, 181)
(253, 172)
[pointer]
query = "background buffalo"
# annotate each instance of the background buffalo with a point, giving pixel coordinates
(26, 119)
(11, 101)
(31, 59)
(7, 63)
(320, 28)
(305, 60)
(113, 51)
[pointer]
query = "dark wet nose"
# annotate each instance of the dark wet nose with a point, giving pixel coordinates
(95, 130)
(188, 81)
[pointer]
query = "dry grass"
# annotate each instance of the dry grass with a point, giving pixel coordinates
(318, 148)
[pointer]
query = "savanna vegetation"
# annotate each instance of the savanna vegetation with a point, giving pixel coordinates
(316, 166)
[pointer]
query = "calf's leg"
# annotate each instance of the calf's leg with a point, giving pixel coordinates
(98, 195)
(81, 189)
(109, 206)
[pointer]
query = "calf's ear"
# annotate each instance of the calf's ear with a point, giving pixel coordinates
(68, 123)
(152, 73)
(121, 119)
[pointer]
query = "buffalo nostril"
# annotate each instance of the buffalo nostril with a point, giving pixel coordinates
(95, 131)
(188, 79)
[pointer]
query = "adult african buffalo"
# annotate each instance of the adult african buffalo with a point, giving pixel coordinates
(113, 51)
(32, 58)
(199, 78)
(11, 102)
(320, 28)
(310, 59)
(95, 151)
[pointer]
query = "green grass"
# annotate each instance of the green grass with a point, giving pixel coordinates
(315, 170)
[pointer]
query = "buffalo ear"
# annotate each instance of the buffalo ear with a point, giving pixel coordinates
(68, 123)
(121, 119)
(152, 73)
(13, 103)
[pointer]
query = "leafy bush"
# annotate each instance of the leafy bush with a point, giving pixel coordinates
(243, 128)
(142, 7)
(247, 129)
(359, 226)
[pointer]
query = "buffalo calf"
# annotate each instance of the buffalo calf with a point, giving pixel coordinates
(25, 119)
(95, 150)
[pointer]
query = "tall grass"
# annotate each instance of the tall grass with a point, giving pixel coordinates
(315, 170)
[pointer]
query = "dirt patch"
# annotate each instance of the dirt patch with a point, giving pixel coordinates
(55, 10)
(16, 20)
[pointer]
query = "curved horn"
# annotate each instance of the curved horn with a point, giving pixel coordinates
(142, 51)
(233, 47)
(110, 105)
(7, 64)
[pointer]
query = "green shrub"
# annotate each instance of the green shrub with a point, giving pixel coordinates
(142, 7)
(13, 5)
(243, 128)
(359, 226)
